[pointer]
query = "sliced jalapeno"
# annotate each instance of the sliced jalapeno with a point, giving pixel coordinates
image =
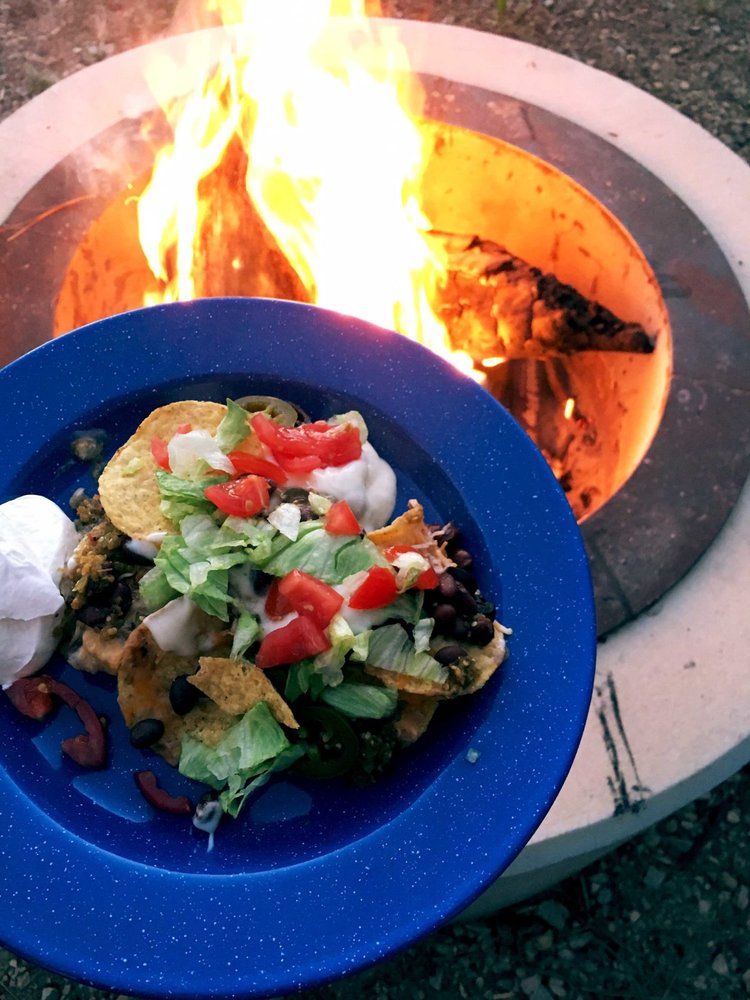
(334, 746)
(284, 413)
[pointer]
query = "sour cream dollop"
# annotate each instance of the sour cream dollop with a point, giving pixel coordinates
(36, 541)
(368, 485)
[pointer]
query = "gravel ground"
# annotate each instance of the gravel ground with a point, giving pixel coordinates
(667, 916)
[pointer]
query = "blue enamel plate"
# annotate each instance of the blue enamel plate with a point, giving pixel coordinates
(315, 879)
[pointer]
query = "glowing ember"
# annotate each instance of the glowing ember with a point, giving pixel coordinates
(334, 167)
(569, 409)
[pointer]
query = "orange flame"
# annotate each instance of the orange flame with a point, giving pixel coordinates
(335, 165)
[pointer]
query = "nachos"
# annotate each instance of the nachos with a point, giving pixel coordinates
(244, 579)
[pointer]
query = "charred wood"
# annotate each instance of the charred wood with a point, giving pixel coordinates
(494, 304)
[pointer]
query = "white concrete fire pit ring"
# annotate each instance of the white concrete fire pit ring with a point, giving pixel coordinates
(669, 717)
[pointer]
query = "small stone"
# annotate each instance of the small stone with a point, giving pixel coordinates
(554, 913)
(50, 993)
(579, 941)
(530, 984)
(743, 898)
(720, 966)
(545, 941)
(704, 906)
(634, 916)
(541, 993)
(700, 983)
(653, 877)
(733, 816)
(558, 987)
(729, 880)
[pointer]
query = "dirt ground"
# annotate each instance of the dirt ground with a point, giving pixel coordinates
(667, 916)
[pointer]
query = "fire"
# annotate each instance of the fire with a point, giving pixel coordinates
(334, 166)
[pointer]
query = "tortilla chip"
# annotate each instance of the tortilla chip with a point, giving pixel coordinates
(483, 661)
(208, 723)
(416, 714)
(236, 686)
(407, 529)
(128, 489)
(409, 684)
(144, 677)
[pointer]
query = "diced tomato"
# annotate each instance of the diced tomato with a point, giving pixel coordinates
(245, 462)
(310, 596)
(160, 452)
(301, 465)
(301, 638)
(333, 444)
(340, 520)
(242, 497)
(426, 580)
(376, 590)
(184, 429)
(277, 606)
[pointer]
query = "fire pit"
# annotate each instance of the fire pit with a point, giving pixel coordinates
(598, 215)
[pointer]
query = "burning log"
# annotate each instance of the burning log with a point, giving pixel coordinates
(496, 305)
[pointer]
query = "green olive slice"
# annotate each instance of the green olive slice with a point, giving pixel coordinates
(284, 413)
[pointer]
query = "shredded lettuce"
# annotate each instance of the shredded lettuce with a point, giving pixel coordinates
(286, 519)
(391, 648)
(193, 454)
(181, 497)
(246, 631)
(319, 505)
(329, 665)
(361, 701)
(233, 428)
(423, 634)
(302, 679)
(330, 558)
(253, 749)
(246, 748)
(197, 563)
(409, 567)
(156, 590)
(233, 798)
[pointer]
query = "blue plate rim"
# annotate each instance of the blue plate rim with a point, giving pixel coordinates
(109, 961)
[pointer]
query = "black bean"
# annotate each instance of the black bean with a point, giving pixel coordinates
(146, 732)
(461, 629)
(482, 631)
(449, 654)
(92, 615)
(431, 600)
(122, 596)
(463, 601)
(447, 586)
(463, 559)
(445, 619)
(183, 695)
(261, 581)
(465, 577)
